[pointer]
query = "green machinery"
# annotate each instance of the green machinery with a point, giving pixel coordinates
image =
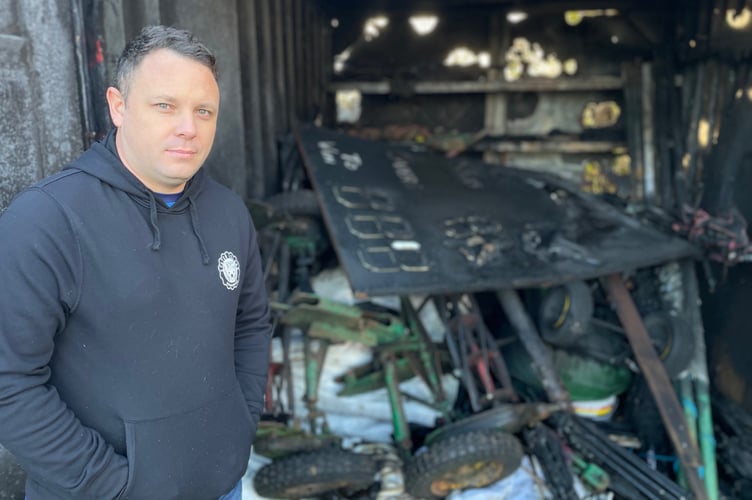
(403, 352)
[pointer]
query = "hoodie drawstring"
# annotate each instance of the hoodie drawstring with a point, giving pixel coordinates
(157, 242)
(194, 224)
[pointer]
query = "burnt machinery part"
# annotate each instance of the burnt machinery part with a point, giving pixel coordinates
(300, 202)
(510, 417)
(546, 445)
(276, 439)
(673, 340)
(527, 332)
(295, 215)
(604, 345)
(631, 477)
(733, 429)
(472, 459)
(565, 313)
(310, 474)
(641, 412)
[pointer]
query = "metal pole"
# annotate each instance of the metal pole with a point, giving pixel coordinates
(543, 363)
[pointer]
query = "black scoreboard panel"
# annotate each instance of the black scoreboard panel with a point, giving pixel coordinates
(405, 220)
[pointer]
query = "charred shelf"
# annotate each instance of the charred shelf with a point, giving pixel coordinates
(551, 146)
(472, 87)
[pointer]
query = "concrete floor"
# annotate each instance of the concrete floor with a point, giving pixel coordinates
(11, 477)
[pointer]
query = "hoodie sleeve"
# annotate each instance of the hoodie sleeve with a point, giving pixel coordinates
(253, 331)
(40, 271)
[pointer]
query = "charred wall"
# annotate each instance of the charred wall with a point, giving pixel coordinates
(41, 127)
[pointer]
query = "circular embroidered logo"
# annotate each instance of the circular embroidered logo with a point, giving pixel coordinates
(229, 270)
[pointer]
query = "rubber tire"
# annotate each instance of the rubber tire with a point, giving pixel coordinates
(561, 324)
(300, 202)
(448, 455)
(673, 341)
(309, 474)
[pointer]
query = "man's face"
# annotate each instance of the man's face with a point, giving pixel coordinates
(167, 121)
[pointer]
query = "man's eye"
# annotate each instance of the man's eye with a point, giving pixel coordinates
(204, 112)
(163, 105)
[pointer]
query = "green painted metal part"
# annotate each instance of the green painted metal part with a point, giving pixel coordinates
(399, 420)
(699, 377)
(697, 410)
(584, 378)
(302, 244)
(592, 475)
(324, 318)
(404, 352)
(684, 390)
(707, 440)
(427, 352)
(369, 378)
(315, 354)
(312, 374)
(689, 406)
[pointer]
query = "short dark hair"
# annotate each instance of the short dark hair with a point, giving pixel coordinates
(152, 38)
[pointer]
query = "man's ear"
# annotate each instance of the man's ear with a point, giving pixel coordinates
(116, 104)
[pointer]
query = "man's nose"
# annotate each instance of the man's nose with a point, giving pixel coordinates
(186, 126)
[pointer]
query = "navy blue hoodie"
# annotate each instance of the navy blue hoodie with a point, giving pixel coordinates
(134, 338)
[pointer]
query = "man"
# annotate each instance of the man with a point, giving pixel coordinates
(134, 322)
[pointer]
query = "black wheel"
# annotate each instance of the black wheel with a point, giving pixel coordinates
(565, 313)
(472, 459)
(673, 340)
(309, 474)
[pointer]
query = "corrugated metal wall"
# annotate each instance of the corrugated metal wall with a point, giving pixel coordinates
(284, 59)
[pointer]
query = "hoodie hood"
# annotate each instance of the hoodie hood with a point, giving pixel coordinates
(103, 162)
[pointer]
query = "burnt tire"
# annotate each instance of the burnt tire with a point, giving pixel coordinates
(471, 459)
(309, 474)
(673, 341)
